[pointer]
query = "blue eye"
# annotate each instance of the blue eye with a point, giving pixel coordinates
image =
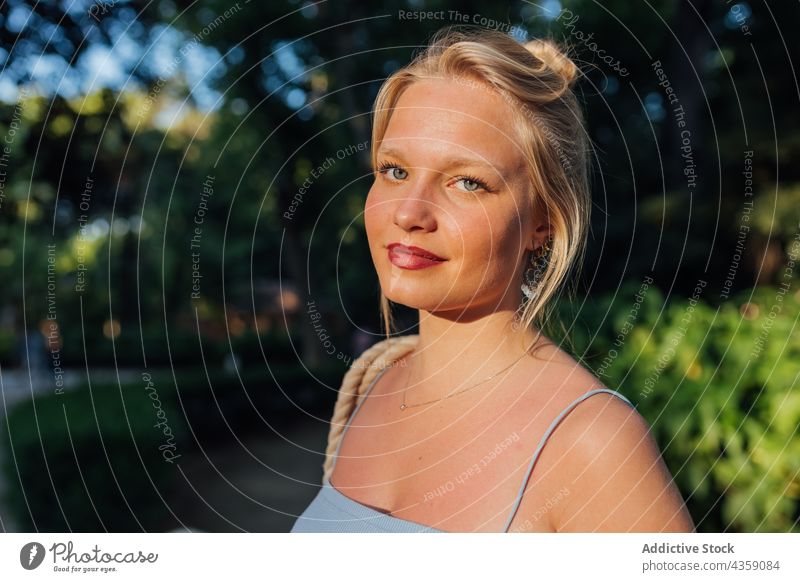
(398, 173)
(464, 183)
(394, 171)
(470, 184)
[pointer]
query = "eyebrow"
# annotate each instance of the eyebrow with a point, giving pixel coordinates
(452, 162)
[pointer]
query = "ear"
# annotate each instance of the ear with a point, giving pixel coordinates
(541, 231)
(540, 227)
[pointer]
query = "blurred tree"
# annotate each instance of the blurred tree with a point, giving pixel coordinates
(260, 99)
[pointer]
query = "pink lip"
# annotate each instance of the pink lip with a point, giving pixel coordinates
(411, 257)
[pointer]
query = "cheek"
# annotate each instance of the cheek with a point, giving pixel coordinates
(489, 237)
(491, 246)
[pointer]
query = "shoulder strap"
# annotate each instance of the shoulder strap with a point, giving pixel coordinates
(543, 440)
(354, 384)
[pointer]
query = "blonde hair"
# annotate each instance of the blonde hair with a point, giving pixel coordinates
(536, 78)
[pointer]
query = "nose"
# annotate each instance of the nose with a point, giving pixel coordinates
(415, 210)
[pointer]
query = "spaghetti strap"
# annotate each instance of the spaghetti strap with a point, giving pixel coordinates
(542, 442)
(353, 414)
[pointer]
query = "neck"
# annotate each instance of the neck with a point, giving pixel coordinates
(454, 352)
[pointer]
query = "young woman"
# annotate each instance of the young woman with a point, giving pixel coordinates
(478, 211)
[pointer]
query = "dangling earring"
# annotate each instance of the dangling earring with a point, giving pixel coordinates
(537, 266)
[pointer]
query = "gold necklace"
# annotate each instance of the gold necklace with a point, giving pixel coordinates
(403, 406)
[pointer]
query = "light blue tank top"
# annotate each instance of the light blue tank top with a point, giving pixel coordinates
(333, 512)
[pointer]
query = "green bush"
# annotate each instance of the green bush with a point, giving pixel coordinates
(182, 349)
(224, 406)
(720, 390)
(252, 348)
(89, 460)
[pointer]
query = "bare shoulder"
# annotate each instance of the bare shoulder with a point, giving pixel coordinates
(617, 478)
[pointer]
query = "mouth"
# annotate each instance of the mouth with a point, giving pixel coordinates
(411, 257)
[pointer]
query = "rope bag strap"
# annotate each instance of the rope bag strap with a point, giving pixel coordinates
(354, 384)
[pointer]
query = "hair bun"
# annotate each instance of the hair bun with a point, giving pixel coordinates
(554, 58)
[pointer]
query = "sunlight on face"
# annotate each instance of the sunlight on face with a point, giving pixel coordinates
(451, 182)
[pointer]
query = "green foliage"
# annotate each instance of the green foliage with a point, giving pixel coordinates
(221, 406)
(181, 348)
(725, 418)
(89, 460)
(779, 212)
(719, 387)
(254, 349)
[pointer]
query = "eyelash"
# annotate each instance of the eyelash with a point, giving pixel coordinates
(383, 167)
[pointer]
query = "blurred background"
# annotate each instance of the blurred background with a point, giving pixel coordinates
(186, 276)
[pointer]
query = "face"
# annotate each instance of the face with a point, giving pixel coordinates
(449, 216)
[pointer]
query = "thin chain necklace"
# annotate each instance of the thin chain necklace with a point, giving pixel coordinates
(403, 406)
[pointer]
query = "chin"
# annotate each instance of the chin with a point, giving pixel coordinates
(414, 294)
(433, 297)
(414, 298)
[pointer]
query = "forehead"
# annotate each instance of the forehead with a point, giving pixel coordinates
(436, 117)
